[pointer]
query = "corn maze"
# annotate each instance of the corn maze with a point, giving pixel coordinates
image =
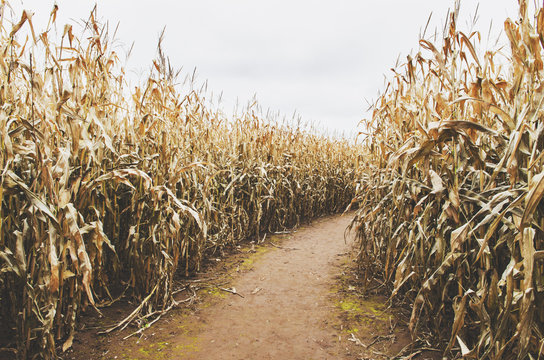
(110, 193)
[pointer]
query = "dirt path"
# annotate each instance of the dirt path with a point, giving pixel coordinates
(285, 312)
(290, 302)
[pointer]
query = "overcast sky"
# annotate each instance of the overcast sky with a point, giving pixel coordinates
(322, 59)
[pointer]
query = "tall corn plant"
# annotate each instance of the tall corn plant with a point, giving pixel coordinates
(109, 193)
(451, 215)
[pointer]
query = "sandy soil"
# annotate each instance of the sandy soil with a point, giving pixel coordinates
(286, 305)
(285, 312)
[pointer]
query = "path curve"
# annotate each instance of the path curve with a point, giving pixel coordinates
(286, 311)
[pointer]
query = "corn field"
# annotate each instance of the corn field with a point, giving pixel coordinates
(451, 218)
(106, 195)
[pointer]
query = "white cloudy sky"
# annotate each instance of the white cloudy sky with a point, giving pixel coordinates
(322, 59)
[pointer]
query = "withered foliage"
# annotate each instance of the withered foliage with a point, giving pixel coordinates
(451, 211)
(107, 192)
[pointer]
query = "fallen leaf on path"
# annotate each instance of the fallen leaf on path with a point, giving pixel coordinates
(68, 343)
(232, 291)
(356, 341)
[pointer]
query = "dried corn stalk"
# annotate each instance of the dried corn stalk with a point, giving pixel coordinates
(451, 204)
(104, 194)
